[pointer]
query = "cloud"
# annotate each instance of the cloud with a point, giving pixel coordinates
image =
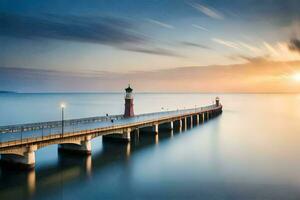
(102, 30)
(255, 60)
(161, 24)
(154, 51)
(200, 27)
(294, 45)
(208, 11)
(226, 43)
(278, 51)
(252, 49)
(192, 44)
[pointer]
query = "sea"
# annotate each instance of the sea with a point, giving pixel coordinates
(249, 152)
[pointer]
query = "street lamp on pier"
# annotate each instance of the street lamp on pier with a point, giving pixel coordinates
(62, 106)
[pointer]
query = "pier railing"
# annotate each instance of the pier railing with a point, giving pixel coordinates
(54, 124)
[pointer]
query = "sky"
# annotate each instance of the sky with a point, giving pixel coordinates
(155, 45)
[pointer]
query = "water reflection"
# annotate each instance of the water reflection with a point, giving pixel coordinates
(31, 182)
(70, 167)
(156, 139)
(128, 150)
(88, 166)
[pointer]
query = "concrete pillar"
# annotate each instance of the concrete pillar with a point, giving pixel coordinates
(191, 121)
(185, 123)
(197, 119)
(180, 125)
(126, 134)
(171, 125)
(155, 128)
(84, 147)
(26, 161)
(203, 117)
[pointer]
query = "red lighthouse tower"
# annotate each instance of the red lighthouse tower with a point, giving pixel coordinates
(128, 102)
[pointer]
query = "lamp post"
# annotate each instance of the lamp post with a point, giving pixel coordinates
(62, 106)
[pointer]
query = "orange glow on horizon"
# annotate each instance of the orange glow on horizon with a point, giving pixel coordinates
(296, 77)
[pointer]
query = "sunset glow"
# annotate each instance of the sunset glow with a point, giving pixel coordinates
(296, 77)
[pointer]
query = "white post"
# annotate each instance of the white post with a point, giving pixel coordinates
(171, 125)
(180, 125)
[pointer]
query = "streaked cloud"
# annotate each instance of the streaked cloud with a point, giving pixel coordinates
(193, 44)
(102, 30)
(226, 43)
(208, 11)
(251, 48)
(255, 60)
(200, 27)
(155, 51)
(271, 49)
(278, 51)
(160, 23)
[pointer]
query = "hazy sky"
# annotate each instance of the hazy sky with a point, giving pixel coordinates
(156, 45)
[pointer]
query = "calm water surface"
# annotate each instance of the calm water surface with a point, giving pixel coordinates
(251, 151)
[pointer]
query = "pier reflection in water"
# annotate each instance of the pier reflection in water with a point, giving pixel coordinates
(48, 180)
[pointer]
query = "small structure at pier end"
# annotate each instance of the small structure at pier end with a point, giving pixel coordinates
(128, 102)
(217, 101)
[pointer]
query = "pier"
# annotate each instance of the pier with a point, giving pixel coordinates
(18, 143)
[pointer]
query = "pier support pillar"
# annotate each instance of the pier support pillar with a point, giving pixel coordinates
(185, 123)
(180, 125)
(203, 117)
(24, 161)
(155, 128)
(84, 147)
(126, 134)
(171, 125)
(191, 121)
(197, 119)
(118, 137)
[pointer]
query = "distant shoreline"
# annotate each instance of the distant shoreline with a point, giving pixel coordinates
(8, 92)
(138, 92)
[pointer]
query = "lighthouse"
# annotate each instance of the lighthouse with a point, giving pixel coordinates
(128, 102)
(217, 101)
